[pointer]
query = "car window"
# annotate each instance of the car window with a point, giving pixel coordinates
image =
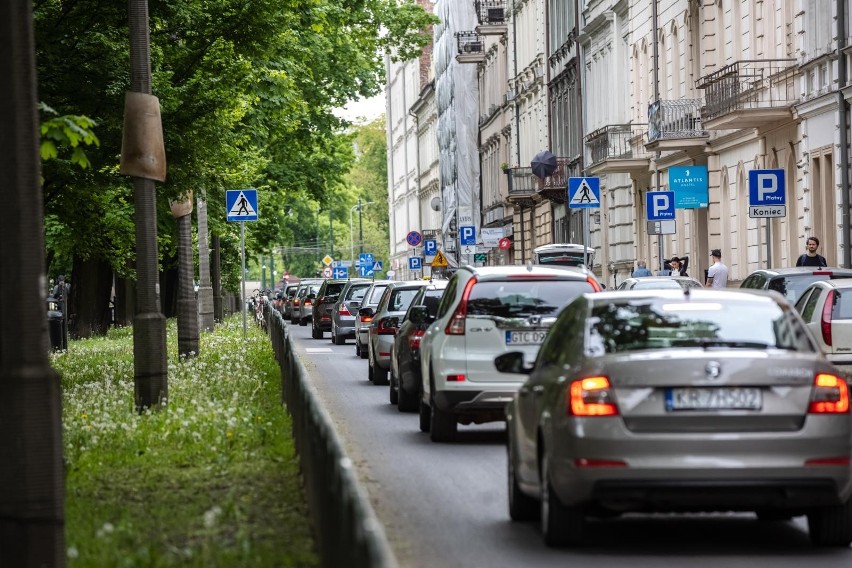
(356, 293)
(793, 286)
(333, 288)
(376, 294)
(400, 299)
(431, 300)
(842, 308)
(807, 304)
(655, 284)
(755, 281)
(449, 297)
(664, 323)
(522, 298)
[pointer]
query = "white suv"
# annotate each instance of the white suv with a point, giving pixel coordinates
(486, 312)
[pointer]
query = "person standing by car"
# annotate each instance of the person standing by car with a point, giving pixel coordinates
(717, 275)
(679, 265)
(641, 270)
(812, 258)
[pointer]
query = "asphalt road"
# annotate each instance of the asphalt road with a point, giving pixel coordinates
(445, 504)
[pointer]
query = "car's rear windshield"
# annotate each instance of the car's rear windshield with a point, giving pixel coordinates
(656, 285)
(665, 323)
(334, 288)
(376, 295)
(793, 286)
(357, 292)
(523, 298)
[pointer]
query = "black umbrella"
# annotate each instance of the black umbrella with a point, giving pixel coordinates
(543, 164)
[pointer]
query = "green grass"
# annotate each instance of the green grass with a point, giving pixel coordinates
(211, 479)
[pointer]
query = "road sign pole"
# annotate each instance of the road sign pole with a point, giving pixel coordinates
(768, 243)
(243, 265)
(587, 236)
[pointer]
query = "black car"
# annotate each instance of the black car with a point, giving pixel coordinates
(325, 299)
(405, 353)
(792, 282)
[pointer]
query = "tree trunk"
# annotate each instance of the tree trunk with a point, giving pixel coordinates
(91, 286)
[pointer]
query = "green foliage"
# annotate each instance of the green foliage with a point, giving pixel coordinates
(212, 479)
(66, 131)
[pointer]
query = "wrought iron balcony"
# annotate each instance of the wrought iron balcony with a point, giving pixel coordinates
(617, 148)
(491, 15)
(471, 47)
(675, 125)
(749, 94)
(555, 187)
(522, 186)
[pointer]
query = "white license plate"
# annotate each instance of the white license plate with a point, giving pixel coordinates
(715, 398)
(532, 337)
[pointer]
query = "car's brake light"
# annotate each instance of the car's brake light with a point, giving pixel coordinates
(295, 302)
(455, 378)
(825, 321)
(590, 462)
(386, 326)
(822, 273)
(456, 324)
(594, 284)
(343, 310)
(414, 338)
(841, 460)
(366, 319)
(830, 395)
(591, 396)
(308, 302)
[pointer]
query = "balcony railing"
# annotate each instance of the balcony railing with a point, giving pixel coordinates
(522, 186)
(675, 119)
(618, 144)
(490, 12)
(749, 93)
(555, 187)
(470, 43)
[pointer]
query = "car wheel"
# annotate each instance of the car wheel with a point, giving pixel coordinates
(357, 346)
(522, 507)
(560, 525)
(425, 417)
(338, 340)
(405, 402)
(363, 352)
(370, 371)
(380, 375)
(316, 332)
(394, 393)
(443, 424)
(303, 322)
(831, 526)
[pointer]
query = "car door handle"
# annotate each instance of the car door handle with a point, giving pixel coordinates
(538, 389)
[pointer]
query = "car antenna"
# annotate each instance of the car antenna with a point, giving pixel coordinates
(686, 293)
(529, 266)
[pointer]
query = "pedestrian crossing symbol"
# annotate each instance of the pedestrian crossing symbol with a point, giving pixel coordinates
(241, 204)
(584, 192)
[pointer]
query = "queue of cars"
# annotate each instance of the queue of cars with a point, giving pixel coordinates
(657, 396)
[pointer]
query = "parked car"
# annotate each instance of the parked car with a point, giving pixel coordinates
(345, 310)
(303, 302)
(321, 310)
(826, 308)
(791, 282)
(386, 318)
(484, 312)
(362, 321)
(405, 354)
(659, 283)
(287, 300)
(658, 401)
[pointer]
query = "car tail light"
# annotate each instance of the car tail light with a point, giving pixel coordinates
(366, 319)
(830, 395)
(308, 302)
(455, 378)
(414, 338)
(841, 460)
(822, 273)
(456, 325)
(591, 396)
(386, 326)
(594, 284)
(343, 310)
(825, 322)
(295, 302)
(588, 462)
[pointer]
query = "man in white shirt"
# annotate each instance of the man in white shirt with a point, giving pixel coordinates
(717, 275)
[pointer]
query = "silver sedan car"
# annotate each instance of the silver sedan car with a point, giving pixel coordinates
(711, 400)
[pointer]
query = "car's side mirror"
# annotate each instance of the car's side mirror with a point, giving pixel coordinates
(366, 312)
(512, 362)
(311, 296)
(420, 315)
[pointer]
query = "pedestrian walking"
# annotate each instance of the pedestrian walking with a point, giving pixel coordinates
(641, 270)
(811, 257)
(717, 274)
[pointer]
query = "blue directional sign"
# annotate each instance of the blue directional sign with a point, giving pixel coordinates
(241, 204)
(415, 263)
(660, 205)
(430, 247)
(340, 273)
(689, 184)
(414, 238)
(467, 235)
(584, 192)
(766, 194)
(365, 259)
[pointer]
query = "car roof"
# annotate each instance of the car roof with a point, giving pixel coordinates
(500, 272)
(703, 294)
(658, 278)
(833, 283)
(408, 283)
(793, 270)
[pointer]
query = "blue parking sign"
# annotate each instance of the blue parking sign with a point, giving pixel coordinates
(660, 205)
(415, 263)
(467, 235)
(766, 187)
(430, 247)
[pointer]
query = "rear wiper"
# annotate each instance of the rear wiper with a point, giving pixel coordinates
(712, 342)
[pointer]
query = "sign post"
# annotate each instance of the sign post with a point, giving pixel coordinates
(766, 200)
(584, 193)
(241, 206)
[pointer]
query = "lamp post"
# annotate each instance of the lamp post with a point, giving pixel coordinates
(357, 206)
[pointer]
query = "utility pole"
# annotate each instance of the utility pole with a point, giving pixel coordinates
(330, 233)
(360, 229)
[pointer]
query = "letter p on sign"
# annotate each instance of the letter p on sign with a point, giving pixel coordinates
(766, 184)
(661, 205)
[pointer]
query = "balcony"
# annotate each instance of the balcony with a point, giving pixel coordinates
(491, 15)
(749, 94)
(471, 47)
(617, 148)
(522, 187)
(555, 187)
(676, 125)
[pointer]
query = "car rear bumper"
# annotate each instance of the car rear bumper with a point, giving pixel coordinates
(347, 331)
(488, 405)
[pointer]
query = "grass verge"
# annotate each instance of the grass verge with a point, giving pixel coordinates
(210, 480)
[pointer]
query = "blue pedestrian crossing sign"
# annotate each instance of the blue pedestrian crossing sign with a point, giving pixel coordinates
(660, 205)
(378, 266)
(241, 204)
(340, 273)
(415, 263)
(584, 193)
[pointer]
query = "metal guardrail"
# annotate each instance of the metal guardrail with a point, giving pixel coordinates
(615, 141)
(347, 531)
(749, 84)
(668, 119)
(490, 12)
